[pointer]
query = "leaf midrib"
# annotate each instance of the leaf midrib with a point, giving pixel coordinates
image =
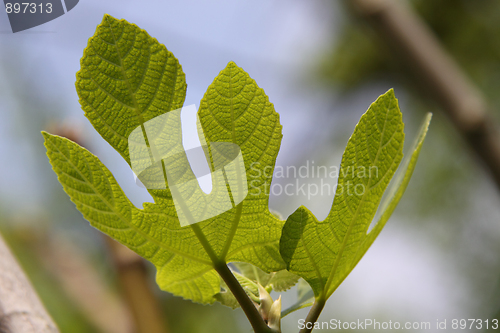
(239, 207)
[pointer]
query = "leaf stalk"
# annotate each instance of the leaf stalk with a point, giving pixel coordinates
(313, 315)
(257, 322)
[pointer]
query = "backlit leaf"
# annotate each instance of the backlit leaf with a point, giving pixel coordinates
(325, 252)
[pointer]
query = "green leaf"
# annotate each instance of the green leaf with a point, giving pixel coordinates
(127, 78)
(248, 276)
(225, 297)
(277, 281)
(325, 252)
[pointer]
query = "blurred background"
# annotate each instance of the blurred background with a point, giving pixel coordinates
(321, 63)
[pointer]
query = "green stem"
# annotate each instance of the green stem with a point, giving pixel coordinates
(255, 319)
(313, 315)
(253, 315)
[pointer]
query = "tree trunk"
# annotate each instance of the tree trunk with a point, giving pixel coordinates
(20, 308)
